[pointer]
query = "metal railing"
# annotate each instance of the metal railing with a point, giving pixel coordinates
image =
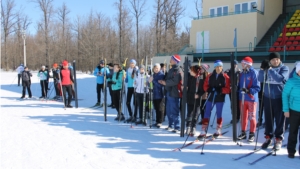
(228, 14)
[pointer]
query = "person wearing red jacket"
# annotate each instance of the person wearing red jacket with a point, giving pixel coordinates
(217, 84)
(66, 75)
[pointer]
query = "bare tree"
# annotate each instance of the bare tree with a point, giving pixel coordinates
(9, 20)
(158, 24)
(197, 6)
(62, 14)
(47, 9)
(138, 7)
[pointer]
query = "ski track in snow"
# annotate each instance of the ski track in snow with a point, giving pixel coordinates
(41, 134)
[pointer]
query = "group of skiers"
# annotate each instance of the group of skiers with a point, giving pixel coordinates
(62, 81)
(270, 88)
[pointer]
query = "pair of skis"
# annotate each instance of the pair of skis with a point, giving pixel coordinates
(210, 138)
(260, 158)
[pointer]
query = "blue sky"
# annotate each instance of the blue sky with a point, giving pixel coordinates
(83, 8)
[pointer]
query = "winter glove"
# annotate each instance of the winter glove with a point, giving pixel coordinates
(265, 64)
(245, 90)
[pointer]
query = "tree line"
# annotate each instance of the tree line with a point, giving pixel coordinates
(87, 39)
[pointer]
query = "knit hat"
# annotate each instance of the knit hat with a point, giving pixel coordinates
(274, 55)
(110, 65)
(236, 62)
(142, 67)
(55, 65)
(25, 67)
(298, 67)
(21, 64)
(176, 58)
(157, 65)
(218, 63)
(43, 67)
(101, 62)
(133, 61)
(205, 67)
(247, 60)
(65, 63)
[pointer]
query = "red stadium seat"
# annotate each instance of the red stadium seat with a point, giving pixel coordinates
(292, 38)
(297, 48)
(291, 30)
(276, 44)
(279, 39)
(289, 43)
(296, 29)
(278, 49)
(297, 38)
(295, 43)
(291, 48)
(272, 49)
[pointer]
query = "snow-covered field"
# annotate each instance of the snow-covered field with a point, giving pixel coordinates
(39, 134)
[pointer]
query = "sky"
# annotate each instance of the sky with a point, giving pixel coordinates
(106, 7)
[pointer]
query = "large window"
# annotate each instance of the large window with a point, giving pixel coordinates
(244, 7)
(218, 11)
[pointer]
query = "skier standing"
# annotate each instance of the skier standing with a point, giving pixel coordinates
(217, 84)
(99, 72)
(20, 69)
(117, 81)
(66, 75)
(139, 85)
(171, 82)
(43, 75)
(158, 93)
(204, 74)
(291, 109)
(56, 80)
(193, 97)
(249, 87)
(277, 74)
(26, 82)
(130, 75)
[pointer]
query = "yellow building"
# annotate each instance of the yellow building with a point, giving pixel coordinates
(257, 23)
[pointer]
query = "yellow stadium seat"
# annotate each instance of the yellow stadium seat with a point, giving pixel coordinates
(294, 25)
(294, 34)
(297, 11)
(298, 33)
(295, 15)
(280, 35)
(288, 26)
(296, 21)
(298, 17)
(293, 18)
(288, 34)
(298, 25)
(290, 22)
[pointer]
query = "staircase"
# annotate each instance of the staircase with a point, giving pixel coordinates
(261, 46)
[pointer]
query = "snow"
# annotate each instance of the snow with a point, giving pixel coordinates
(40, 134)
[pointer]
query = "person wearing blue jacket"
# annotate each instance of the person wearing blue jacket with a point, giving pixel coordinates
(158, 93)
(274, 74)
(248, 88)
(130, 75)
(291, 109)
(100, 72)
(116, 85)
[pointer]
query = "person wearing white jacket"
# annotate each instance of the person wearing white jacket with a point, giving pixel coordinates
(139, 84)
(20, 69)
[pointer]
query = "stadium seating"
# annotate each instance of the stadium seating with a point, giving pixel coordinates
(292, 36)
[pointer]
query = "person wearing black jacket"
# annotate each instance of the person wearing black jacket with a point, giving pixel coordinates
(193, 97)
(56, 80)
(26, 82)
(109, 77)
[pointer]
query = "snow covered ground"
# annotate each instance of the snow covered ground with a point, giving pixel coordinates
(39, 134)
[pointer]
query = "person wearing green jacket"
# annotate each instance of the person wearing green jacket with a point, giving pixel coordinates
(291, 109)
(117, 82)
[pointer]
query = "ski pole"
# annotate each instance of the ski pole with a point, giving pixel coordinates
(134, 107)
(272, 117)
(13, 80)
(242, 110)
(261, 106)
(213, 103)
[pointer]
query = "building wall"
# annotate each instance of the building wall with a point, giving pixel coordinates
(221, 29)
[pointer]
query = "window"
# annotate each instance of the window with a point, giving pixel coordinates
(225, 10)
(245, 7)
(251, 8)
(212, 12)
(237, 8)
(219, 11)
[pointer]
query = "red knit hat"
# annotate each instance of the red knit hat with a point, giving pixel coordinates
(65, 63)
(247, 60)
(176, 58)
